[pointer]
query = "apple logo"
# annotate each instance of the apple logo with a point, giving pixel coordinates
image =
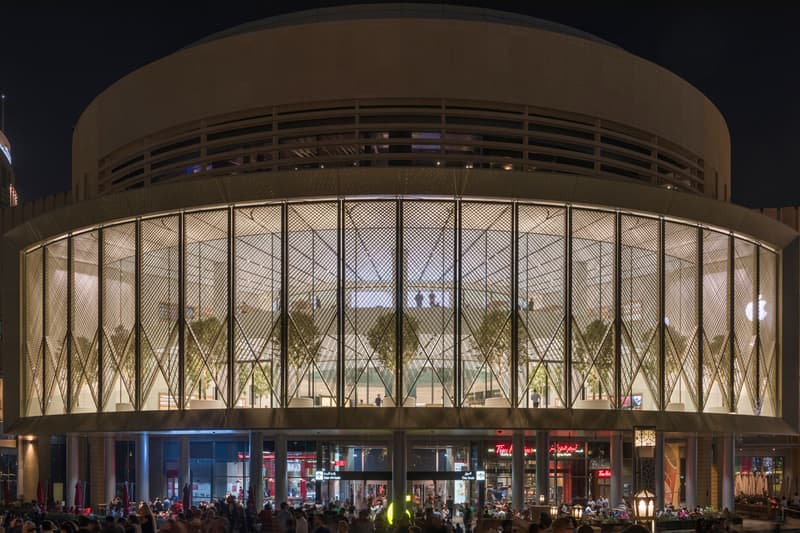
(762, 309)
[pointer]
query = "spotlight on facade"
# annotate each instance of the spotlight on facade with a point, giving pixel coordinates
(577, 512)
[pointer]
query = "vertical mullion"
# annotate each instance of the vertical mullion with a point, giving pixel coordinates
(284, 378)
(662, 311)
(514, 305)
(700, 326)
(43, 341)
(399, 300)
(70, 283)
(137, 319)
(457, 400)
(618, 311)
(232, 392)
(568, 307)
(340, 300)
(731, 329)
(100, 277)
(181, 311)
(757, 319)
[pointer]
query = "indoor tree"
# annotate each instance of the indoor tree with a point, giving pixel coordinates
(382, 339)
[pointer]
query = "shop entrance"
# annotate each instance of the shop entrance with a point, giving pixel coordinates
(364, 489)
(443, 491)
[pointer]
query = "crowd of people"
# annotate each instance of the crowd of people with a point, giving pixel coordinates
(231, 515)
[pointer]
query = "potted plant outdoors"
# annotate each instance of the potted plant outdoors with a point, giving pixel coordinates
(596, 333)
(302, 347)
(492, 341)
(382, 340)
(203, 342)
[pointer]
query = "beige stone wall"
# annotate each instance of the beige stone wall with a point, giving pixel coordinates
(401, 58)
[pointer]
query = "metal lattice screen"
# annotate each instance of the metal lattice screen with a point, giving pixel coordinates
(767, 311)
(640, 324)
(428, 305)
(119, 317)
(716, 330)
(745, 316)
(592, 306)
(680, 318)
(33, 343)
(486, 303)
(369, 296)
(312, 343)
(55, 328)
(257, 306)
(542, 319)
(206, 307)
(160, 310)
(85, 339)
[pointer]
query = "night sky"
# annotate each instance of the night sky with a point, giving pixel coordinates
(57, 56)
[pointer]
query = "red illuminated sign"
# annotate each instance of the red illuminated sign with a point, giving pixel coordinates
(562, 449)
(604, 473)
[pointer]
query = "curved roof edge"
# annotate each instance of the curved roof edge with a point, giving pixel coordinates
(401, 11)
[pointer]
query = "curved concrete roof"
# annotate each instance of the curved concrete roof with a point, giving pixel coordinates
(399, 11)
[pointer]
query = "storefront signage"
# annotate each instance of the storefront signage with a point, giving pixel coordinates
(477, 475)
(562, 449)
(604, 473)
(324, 475)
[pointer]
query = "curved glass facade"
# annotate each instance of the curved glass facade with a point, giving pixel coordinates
(425, 302)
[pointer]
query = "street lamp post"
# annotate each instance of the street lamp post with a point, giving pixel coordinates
(577, 512)
(554, 511)
(644, 508)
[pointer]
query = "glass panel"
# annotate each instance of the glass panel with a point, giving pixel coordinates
(716, 339)
(680, 320)
(313, 283)
(429, 314)
(745, 318)
(206, 331)
(257, 301)
(84, 368)
(640, 313)
(486, 303)
(541, 306)
(369, 277)
(32, 343)
(160, 310)
(767, 319)
(55, 328)
(592, 309)
(119, 315)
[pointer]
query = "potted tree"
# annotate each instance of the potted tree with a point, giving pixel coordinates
(598, 343)
(203, 349)
(492, 341)
(382, 339)
(302, 346)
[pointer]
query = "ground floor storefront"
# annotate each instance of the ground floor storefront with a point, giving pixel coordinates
(440, 469)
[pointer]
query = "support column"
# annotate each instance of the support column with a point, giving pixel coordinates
(184, 475)
(616, 469)
(142, 467)
(690, 479)
(543, 465)
(728, 447)
(256, 468)
(518, 470)
(44, 465)
(281, 483)
(111, 468)
(658, 466)
(157, 483)
(399, 468)
(28, 462)
(73, 467)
